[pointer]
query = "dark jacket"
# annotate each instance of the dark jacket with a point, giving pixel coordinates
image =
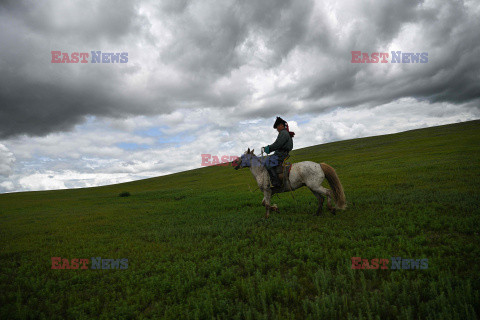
(283, 145)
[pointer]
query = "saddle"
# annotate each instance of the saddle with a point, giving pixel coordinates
(283, 172)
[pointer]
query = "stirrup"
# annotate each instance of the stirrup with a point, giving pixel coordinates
(271, 184)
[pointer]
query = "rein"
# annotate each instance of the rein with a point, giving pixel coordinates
(262, 149)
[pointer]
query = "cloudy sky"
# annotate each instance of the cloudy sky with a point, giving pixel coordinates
(209, 77)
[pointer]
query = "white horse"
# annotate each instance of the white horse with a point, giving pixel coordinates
(305, 173)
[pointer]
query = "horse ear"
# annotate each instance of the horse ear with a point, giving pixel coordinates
(248, 151)
(252, 151)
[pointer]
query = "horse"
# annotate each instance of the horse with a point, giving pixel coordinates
(305, 173)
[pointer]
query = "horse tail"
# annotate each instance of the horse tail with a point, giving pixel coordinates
(335, 184)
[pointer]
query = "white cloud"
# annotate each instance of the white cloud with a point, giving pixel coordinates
(7, 186)
(7, 161)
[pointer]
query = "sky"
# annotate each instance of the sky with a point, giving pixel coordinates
(210, 77)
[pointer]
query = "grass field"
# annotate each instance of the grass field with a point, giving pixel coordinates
(198, 246)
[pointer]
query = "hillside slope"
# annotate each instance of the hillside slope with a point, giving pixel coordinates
(198, 247)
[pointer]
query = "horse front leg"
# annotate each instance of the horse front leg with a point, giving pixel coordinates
(266, 202)
(266, 199)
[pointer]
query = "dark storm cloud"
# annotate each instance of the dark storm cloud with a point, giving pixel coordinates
(208, 34)
(38, 97)
(77, 21)
(188, 54)
(448, 33)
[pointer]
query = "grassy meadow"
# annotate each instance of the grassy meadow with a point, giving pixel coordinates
(198, 246)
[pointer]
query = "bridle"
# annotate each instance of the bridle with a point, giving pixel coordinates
(252, 157)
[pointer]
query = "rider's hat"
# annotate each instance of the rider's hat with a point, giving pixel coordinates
(279, 121)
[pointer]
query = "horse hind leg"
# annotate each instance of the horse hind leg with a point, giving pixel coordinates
(325, 192)
(321, 199)
(329, 201)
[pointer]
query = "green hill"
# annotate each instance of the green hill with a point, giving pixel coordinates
(198, 246)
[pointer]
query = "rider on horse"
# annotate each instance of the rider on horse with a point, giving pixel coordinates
(281, 147)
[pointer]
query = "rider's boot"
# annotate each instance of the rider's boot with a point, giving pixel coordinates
(274, 178)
